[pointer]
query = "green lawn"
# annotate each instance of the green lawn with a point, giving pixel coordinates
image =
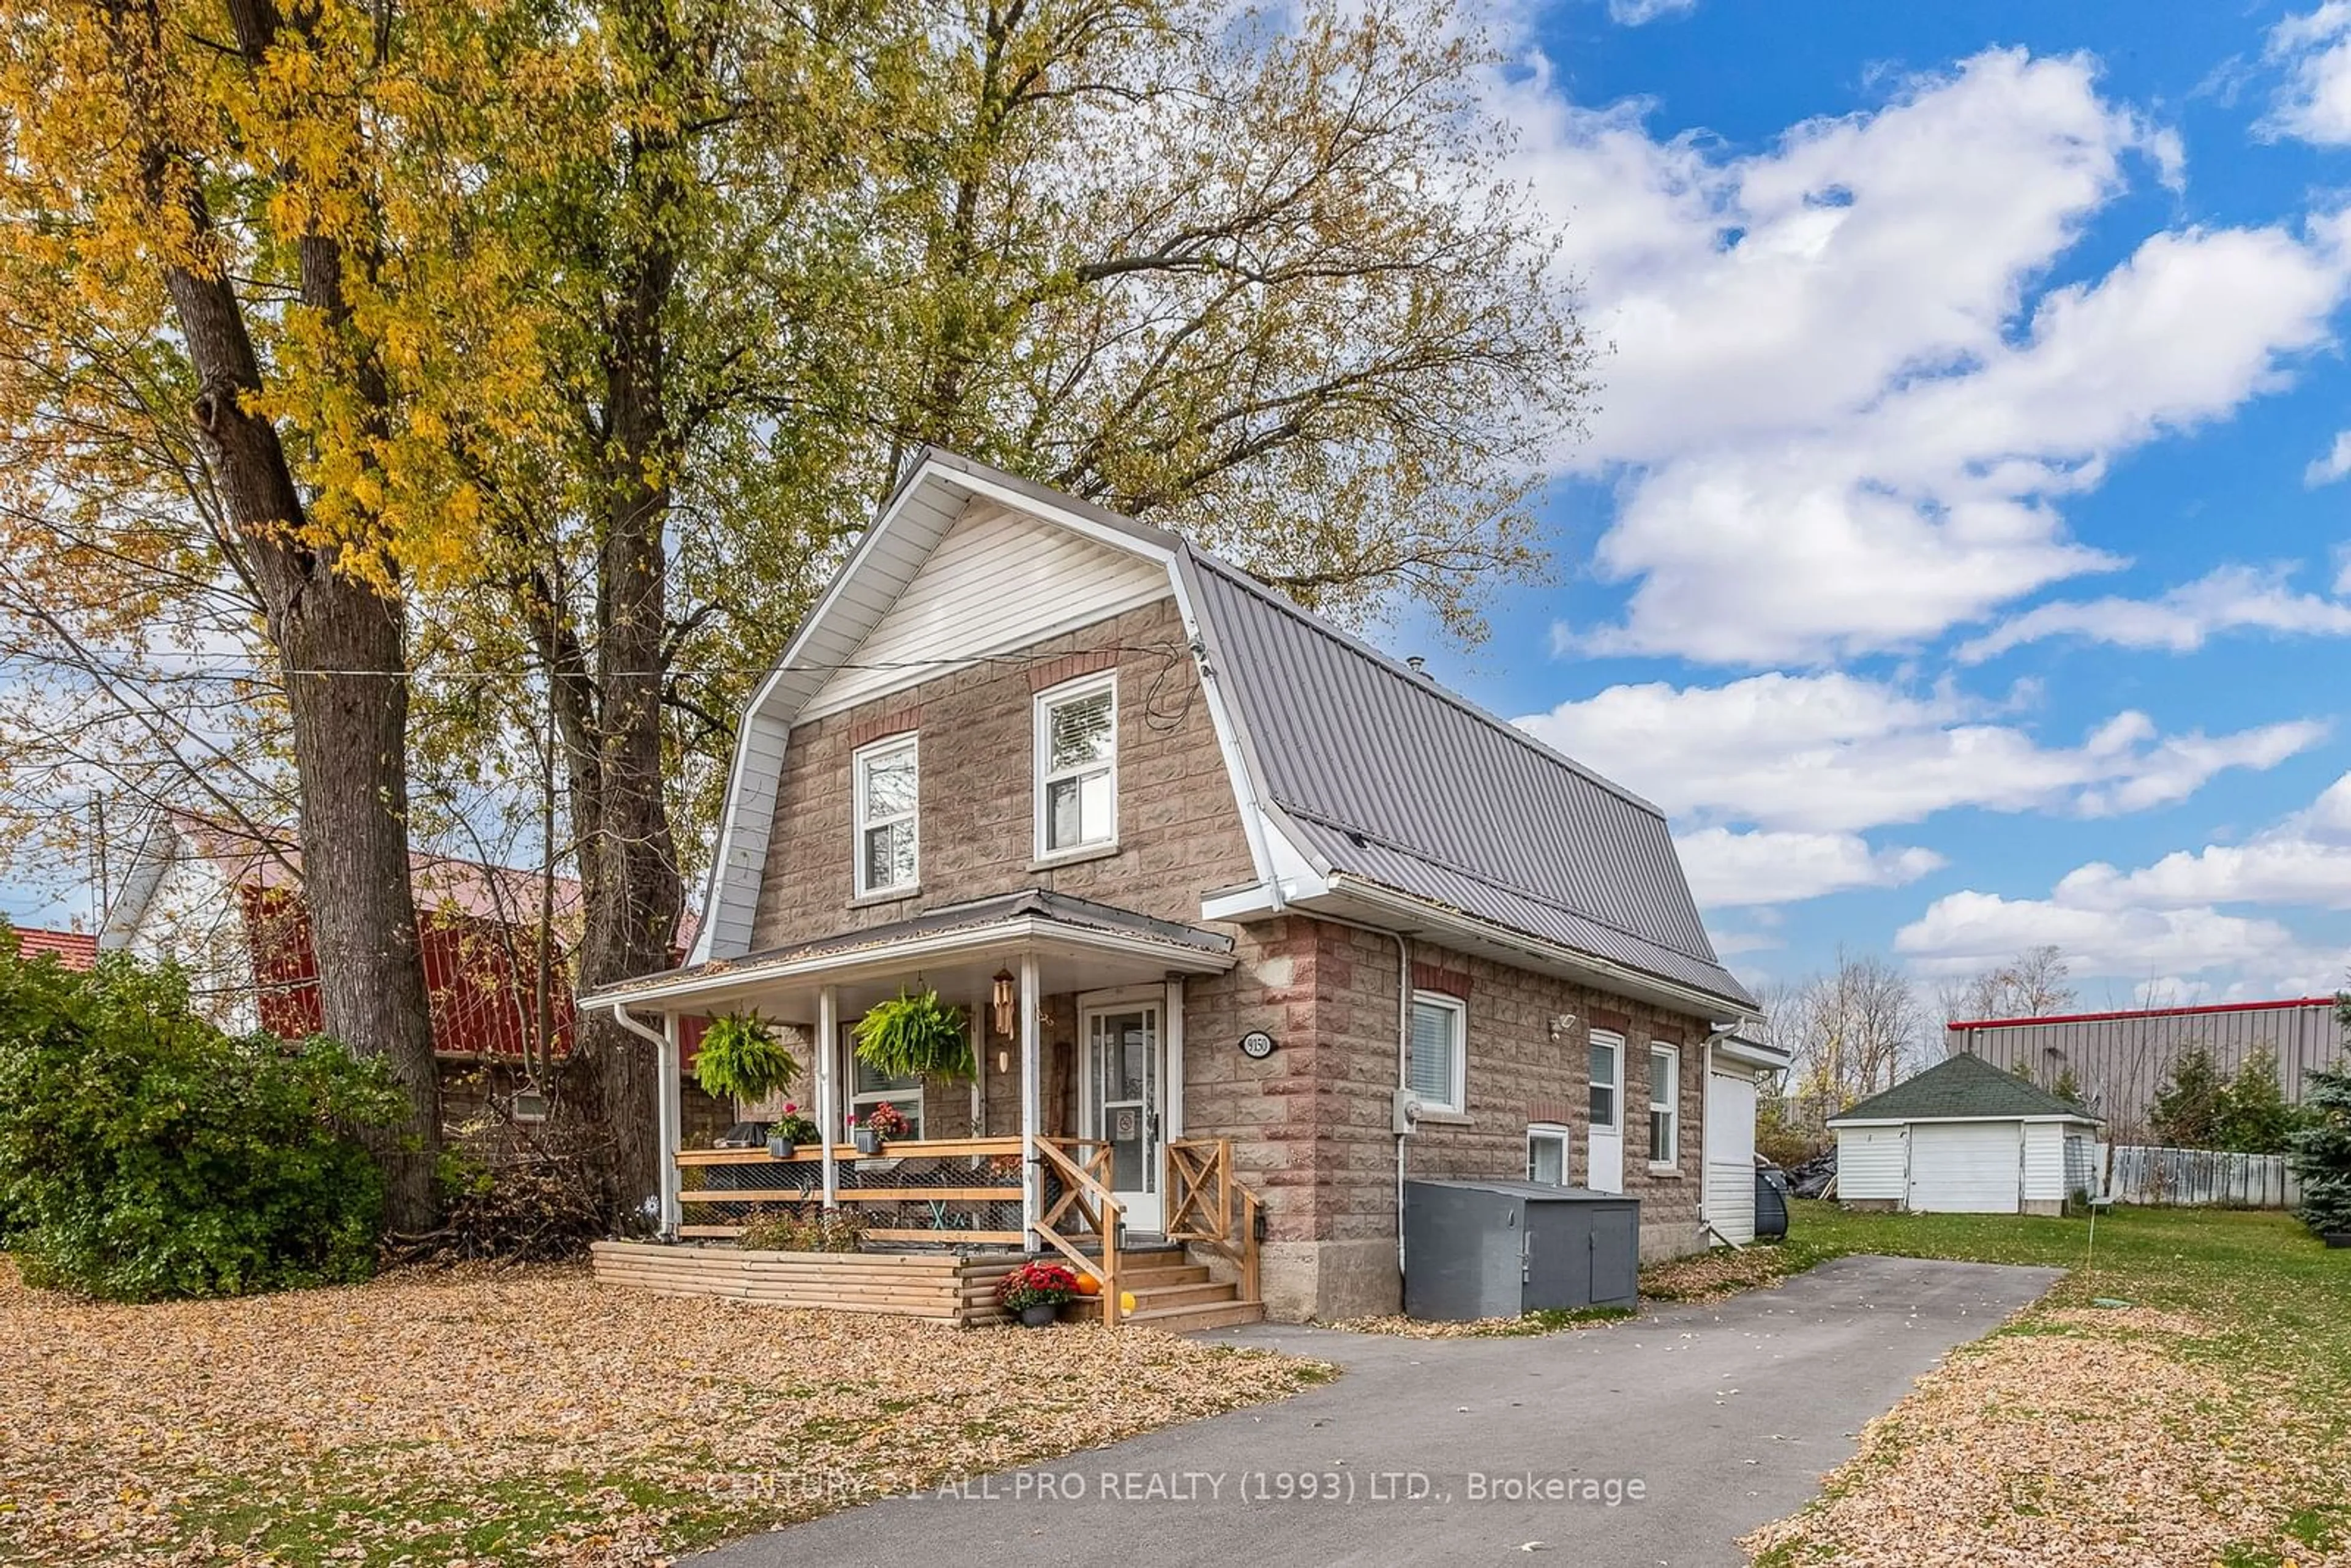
(2209, 1420)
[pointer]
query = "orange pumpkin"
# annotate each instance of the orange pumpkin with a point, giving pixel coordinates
(1089, 1286)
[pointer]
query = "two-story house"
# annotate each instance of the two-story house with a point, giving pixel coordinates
(1253, 922)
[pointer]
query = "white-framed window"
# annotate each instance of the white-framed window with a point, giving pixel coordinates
(1665, 1104)
(868, 1089)
(1547, 1153)
(887, 784)
(1077, 765)
(1439, 1068)
(1607, 1083)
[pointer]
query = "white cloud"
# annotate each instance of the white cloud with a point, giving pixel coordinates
(1839, 424)
(2334, 465)
(1962, 933)
(2230, 599)
(2314, 102)
(1730, 870)
(1639, 13)
(1835, 753)
(2170, 918)
(2303, 859)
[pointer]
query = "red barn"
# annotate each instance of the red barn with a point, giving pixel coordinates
(226, 903)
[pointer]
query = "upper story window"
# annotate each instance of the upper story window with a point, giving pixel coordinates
(1077, 765)
(887, 787)
(1439, 1068)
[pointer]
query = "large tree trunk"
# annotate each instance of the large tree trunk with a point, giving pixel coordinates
(339, 643)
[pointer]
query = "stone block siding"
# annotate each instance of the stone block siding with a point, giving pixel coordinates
(1179, 835)
(1311, 1125)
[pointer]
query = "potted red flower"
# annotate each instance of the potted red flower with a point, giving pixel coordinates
(1034, 1292)
(880, 1123)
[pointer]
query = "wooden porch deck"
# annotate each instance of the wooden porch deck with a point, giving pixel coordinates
(945, 1267)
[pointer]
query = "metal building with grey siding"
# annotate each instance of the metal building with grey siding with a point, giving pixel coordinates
(2121, 1059)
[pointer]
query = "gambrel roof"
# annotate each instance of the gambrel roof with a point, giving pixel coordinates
(1355, 775)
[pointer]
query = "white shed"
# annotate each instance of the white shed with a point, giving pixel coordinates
(1964, 1137)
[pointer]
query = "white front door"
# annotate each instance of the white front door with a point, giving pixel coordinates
(1124, 1090)
(1604, 1144)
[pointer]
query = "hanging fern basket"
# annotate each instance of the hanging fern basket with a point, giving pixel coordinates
(742, 1059)
(914, 1036)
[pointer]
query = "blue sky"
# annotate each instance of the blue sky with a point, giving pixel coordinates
(1958, 551)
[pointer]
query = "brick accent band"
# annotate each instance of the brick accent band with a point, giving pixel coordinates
(1561, 1111)
(1070, 666)
(1445, 982)
(865, 732)
(1613, 1022)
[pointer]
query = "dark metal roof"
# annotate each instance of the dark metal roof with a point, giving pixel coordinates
(1960, 1086)
(1388, 777)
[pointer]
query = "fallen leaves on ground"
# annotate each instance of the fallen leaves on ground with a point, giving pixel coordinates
(1402, 1327)
(1710, 1276)
(503, 1415)
(2200, 1418)
(2080, 1448)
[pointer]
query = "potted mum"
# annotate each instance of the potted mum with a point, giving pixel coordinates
(1034, 1292)
(882, 1122)
(791, 1131)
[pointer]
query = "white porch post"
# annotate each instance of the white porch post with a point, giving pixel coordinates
(669, 1110)
(827, 1099)
(1031, 1104)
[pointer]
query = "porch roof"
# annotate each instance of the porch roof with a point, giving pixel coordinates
(1101, 944)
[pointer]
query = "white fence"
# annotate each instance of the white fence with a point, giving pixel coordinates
(2199, 1178)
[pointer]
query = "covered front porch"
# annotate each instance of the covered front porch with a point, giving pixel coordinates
(1067, 1140)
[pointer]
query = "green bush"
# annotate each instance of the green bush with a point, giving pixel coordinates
(2321, 1151)
(145, 1154)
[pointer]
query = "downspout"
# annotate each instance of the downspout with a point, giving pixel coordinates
(665, 1075)
(1403, 1049)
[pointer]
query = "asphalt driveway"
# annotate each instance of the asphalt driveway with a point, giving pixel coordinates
(1658, 1440)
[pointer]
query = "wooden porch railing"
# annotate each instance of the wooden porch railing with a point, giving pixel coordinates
(1083, 1166)
(993, 1166)
(1206, 1205)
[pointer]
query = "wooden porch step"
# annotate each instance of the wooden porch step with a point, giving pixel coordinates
(1191, 1320)
(1152, 1298)
(1170, 1274)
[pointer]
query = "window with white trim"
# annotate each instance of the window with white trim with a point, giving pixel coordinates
(887, 786)
(1438, 1070)
(1547, 1153)
(1607, 1059)
(868, 1089)
(1077, 765)
(1665, 1104)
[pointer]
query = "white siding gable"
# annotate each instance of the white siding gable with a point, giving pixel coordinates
(999, 580)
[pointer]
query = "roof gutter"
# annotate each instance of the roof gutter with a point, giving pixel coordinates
(1023, 929)
(1438, 918)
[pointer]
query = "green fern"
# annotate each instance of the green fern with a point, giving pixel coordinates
(741, 1058)
(914, 1036)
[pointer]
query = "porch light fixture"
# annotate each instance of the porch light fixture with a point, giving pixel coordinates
(1005, 1002)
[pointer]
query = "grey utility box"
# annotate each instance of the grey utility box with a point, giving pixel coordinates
(1501, 1248)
